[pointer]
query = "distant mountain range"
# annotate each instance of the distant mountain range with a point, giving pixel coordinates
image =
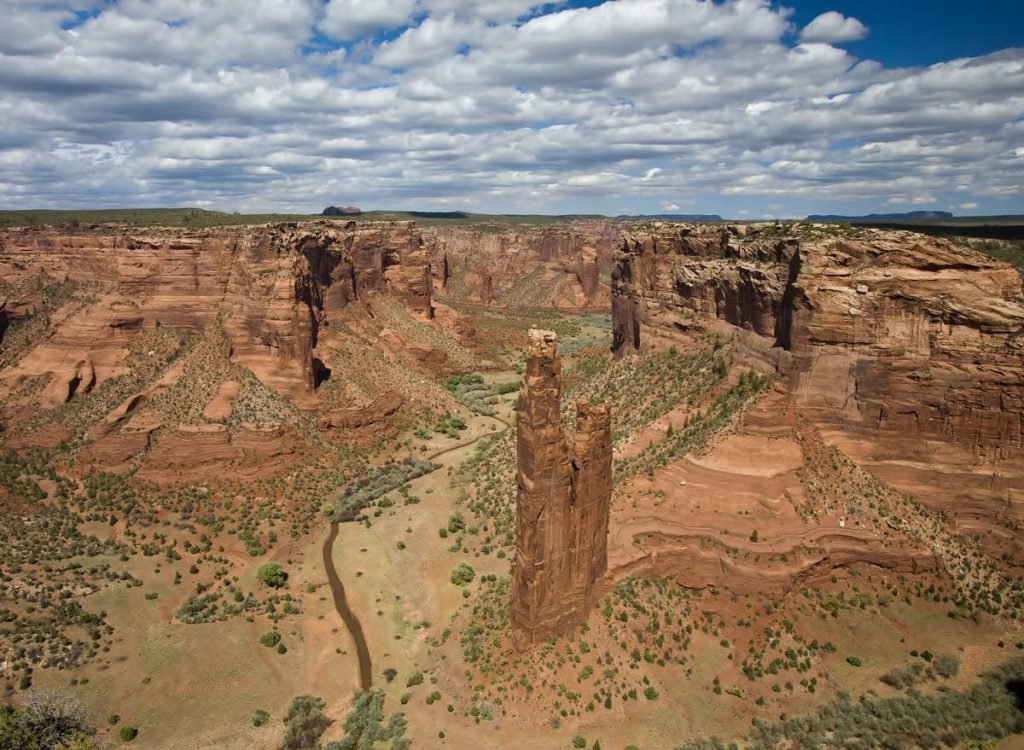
(673, 217)
(908, 216)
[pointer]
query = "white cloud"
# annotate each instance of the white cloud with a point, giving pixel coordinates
(833, 28)
(349, 19)
(970, 206)
(514, 105)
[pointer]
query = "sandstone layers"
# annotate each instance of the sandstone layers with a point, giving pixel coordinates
(271, 288)
(882, 332)
(525, 266)
(261, 299)
(563, 501)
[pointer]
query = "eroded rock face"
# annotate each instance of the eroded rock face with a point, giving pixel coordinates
(882, 331)
(271, 287)
(551, 265)
(563, 501)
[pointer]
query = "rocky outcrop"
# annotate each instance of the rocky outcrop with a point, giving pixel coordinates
(524, 265)
(222, 404)
(272, 288)
(563, 501)
(878, 330)
(361, 416)
(200, 452)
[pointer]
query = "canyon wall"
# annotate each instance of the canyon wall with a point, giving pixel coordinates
(560, 265)
(270, 287)
(563, 501)
(881, 331)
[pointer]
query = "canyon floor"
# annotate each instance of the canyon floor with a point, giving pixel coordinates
(766, 562)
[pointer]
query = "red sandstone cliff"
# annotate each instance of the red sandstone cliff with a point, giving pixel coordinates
(558, 265)
(271, 288)
(882, 331)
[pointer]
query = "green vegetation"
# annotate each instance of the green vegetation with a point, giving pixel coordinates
(198, 218)
(1011, 251)
(194, 218)
(697, 430)
(450, 425)
(478, 396)
(305, 723)
(369, 489)
(462, 574)
(270, 639)
(128, 733)
(943, 666)
(273, 575)
(985, 712)
(259, 717)
(367, 725)
(48, 721)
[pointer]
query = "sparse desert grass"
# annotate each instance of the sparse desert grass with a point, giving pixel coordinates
(987, 711)
(835, 483)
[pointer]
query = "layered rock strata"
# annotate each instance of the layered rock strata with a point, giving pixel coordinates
(272, 288)
(887, 332)
(525, 266)
(562, 504)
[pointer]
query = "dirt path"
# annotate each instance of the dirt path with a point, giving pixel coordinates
(355, 628)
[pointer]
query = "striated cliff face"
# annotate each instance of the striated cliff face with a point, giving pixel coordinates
(882, 331)
(271, 288)
(563, 501)
(524, 266)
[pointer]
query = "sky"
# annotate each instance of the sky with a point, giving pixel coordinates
(744, 108)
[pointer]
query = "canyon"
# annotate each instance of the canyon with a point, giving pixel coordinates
(272, 288)
(564, 266)
(603, 477)
(882, 332)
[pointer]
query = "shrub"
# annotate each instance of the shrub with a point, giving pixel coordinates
(128, 733)
(579, 741)
(853, 661)
(305, 723)
(947, 665)
(273, 575)
(270, 639)
(416, 678)
(904, 677)
(259, 717)
(462, 574)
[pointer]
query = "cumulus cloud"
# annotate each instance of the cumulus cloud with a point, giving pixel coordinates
(348, 19)
(833, 28)
(494, 104)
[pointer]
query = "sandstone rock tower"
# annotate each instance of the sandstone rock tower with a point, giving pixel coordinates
(565, 489)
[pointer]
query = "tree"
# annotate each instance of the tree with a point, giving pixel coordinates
(305, 723)
(273, 575)
(462, 574)
(49, 720)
